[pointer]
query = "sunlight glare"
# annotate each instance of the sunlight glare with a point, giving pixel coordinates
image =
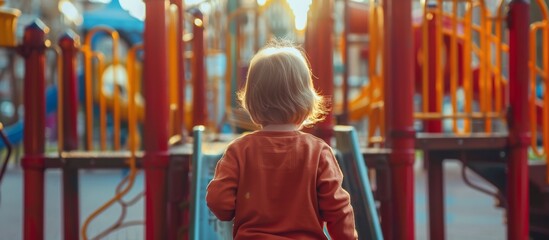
(300, 9)
(70, 12)
(136, 8)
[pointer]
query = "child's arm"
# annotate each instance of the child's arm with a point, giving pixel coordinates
(334, 202)
(221, 191)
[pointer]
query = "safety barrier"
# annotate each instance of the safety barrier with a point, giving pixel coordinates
(89, 53)
(131, 86)
(449, 45)
(116, 101)
(376, 74)
(539, 105)
(461, 46)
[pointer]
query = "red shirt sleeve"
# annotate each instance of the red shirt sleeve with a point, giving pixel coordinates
(334, 202)
(221, 191)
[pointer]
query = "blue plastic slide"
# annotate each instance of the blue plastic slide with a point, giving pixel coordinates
(357, 183)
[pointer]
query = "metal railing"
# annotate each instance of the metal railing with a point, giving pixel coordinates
(539, 105)
(454, 31)
(375, 88)
(89, 53)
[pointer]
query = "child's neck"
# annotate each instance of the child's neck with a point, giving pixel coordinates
(281, 127)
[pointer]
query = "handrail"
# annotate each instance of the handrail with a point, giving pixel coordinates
(130, 179)
(534, 27)
(499, 80)
(491, 82)
(132, 145)
(375, 109)
(88, 53)
(439, 80)
(454, 63)
(100, 58)
(176, 110)
(543, 73)
(467, 73)
(485, 65)
(132, 112)
(459, 115)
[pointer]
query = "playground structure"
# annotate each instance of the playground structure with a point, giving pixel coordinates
(440, 60)
(444, 49)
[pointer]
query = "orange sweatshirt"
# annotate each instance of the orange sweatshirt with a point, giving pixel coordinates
(281, 185)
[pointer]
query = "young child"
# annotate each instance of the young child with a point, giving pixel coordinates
(278, 182)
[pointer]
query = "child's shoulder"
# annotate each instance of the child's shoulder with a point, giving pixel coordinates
(315, 140)
(245, 137)
(257, 135)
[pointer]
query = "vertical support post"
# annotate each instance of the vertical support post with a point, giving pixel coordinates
(344, 119)
(177, 184)
(432, 125)
(384, 192)
(34, 45)
(232, 56)
(69, 43)
(434, 166)
(435, 188)
(180, 118)
(519, 136)
(200, 113)
(177, 217)
(156, 131)
(178, 198)
(386, 208)
(322, 65)
(400, 89)
(173, 69)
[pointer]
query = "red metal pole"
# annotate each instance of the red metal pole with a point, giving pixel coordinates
(400, 82)
(200, 111)
(156, 130)
(432, 125)
(180, 118)
(34, 44)
(435, 169)
(384, 194)
(69, 43)
(435, 187)
(176, 216)
(386, 208)
(322, 64)
(519, 135)
(344, 118)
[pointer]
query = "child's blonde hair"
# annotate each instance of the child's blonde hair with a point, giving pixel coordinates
(279, 87)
